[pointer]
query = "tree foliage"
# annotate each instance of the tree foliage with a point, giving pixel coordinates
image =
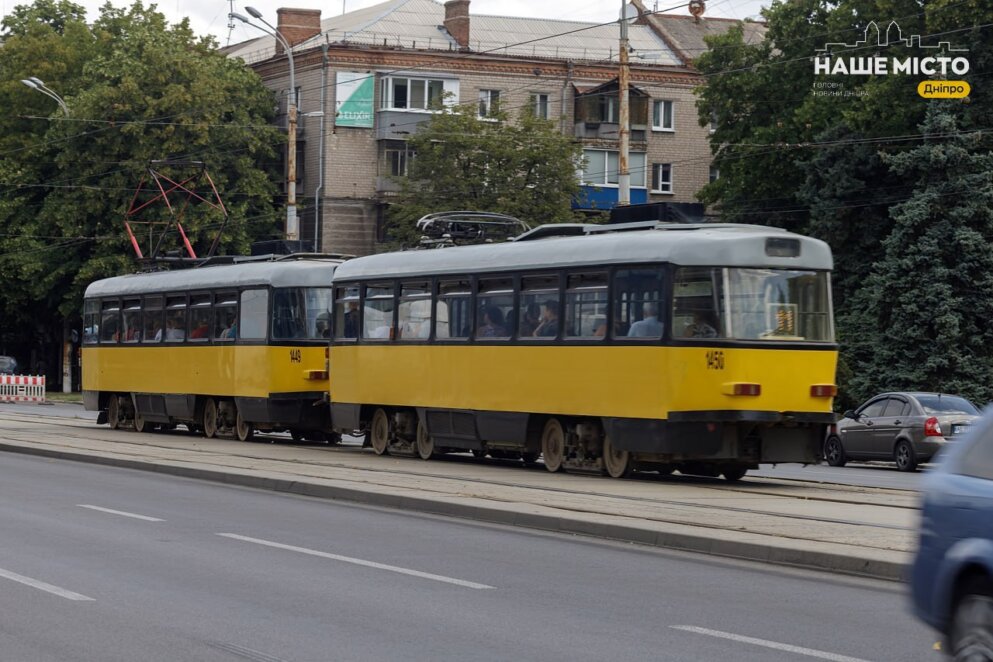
(525, 168)
(138, 90)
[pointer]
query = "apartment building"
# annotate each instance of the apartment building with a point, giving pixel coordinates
(366, 80)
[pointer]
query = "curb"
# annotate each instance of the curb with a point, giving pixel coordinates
(735, 549)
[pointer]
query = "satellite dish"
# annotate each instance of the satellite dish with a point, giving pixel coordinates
(629, 13)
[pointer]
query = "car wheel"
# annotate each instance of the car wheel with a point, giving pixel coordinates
(834, 452)
(970, 636)
(904, 456)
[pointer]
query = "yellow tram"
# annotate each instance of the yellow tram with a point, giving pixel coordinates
(226, 348)
(700, 348)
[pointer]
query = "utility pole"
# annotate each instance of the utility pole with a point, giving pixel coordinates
(624, 130)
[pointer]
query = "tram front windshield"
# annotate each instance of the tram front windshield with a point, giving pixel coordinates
(780, 305)
(301, 313)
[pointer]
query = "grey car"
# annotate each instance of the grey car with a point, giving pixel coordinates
(908, 428)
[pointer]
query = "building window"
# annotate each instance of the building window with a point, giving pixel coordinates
(601, 168)
(396, 160)
(662, 116)
(713, 121)
(539, 102)
(662, 178)
(489, 102)
(715, 174)
(401, 93)
(609, 110)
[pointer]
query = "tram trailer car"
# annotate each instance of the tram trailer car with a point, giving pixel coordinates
(705, 348)
(222, 349)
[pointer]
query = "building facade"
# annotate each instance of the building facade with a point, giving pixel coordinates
(366, 80)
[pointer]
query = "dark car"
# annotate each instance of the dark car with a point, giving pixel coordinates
(908, 428)
(8, 365)
(951, 580)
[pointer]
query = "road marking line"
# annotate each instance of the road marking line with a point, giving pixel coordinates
(362, 562)
(42, 586)
(809, 652)
(120, 512)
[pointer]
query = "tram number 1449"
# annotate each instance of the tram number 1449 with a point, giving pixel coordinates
(715, 360)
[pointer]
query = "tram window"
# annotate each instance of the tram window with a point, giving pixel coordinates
(131, 320)
(453, 316)
(175, 328)
(586, 306)
(539, 312)
(414, 312)
(495, 309)
(254, 314)
(377, 312)
(200, 318)
(110, 321)
(346, 312)
(225, 313)
(91, 322)
(779, 305)
(297, 311)
(697, 302)
(637, 303)
(152, 327)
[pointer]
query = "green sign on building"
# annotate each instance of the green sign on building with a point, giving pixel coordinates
(353, 99)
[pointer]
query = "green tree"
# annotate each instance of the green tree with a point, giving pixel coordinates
(138, 90)
(525, 168)
(927, 305)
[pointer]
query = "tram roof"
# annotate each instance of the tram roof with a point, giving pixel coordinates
(719, 245)
(278, 273)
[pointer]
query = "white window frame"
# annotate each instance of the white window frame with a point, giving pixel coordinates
(536, 100)
(488, 98)
(658, 112)
(715, 174)
(638, 172)
(657, 183)
(386, 100)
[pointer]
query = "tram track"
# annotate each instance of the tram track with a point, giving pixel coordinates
(662, 502)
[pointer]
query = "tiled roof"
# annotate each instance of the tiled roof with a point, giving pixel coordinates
(418, 24)
(686, 33)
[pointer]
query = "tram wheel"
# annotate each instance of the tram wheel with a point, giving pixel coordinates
(243, 429)
(553, 445)
(114, 412)
(139, 422)
(616, 463)
(425, 442)
(379, 432)
(210, 418)
(733, 474)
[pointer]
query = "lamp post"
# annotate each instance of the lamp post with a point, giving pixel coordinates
(292, 229)
(320, 180)
(35, 83)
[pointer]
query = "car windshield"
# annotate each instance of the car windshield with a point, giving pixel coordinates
(946, 404)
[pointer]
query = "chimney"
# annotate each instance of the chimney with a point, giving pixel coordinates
(297, 25)
(457, 21)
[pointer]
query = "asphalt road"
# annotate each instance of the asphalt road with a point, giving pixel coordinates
(106, 564)
(864, 474)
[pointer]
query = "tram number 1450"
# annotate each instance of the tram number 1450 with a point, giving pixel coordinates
(715, 360)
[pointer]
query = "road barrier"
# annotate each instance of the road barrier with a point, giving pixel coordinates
(22, 388)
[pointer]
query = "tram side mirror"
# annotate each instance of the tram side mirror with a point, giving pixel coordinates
(850, 413)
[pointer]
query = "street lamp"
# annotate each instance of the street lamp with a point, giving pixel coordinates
(35, 84)
(292, 230)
